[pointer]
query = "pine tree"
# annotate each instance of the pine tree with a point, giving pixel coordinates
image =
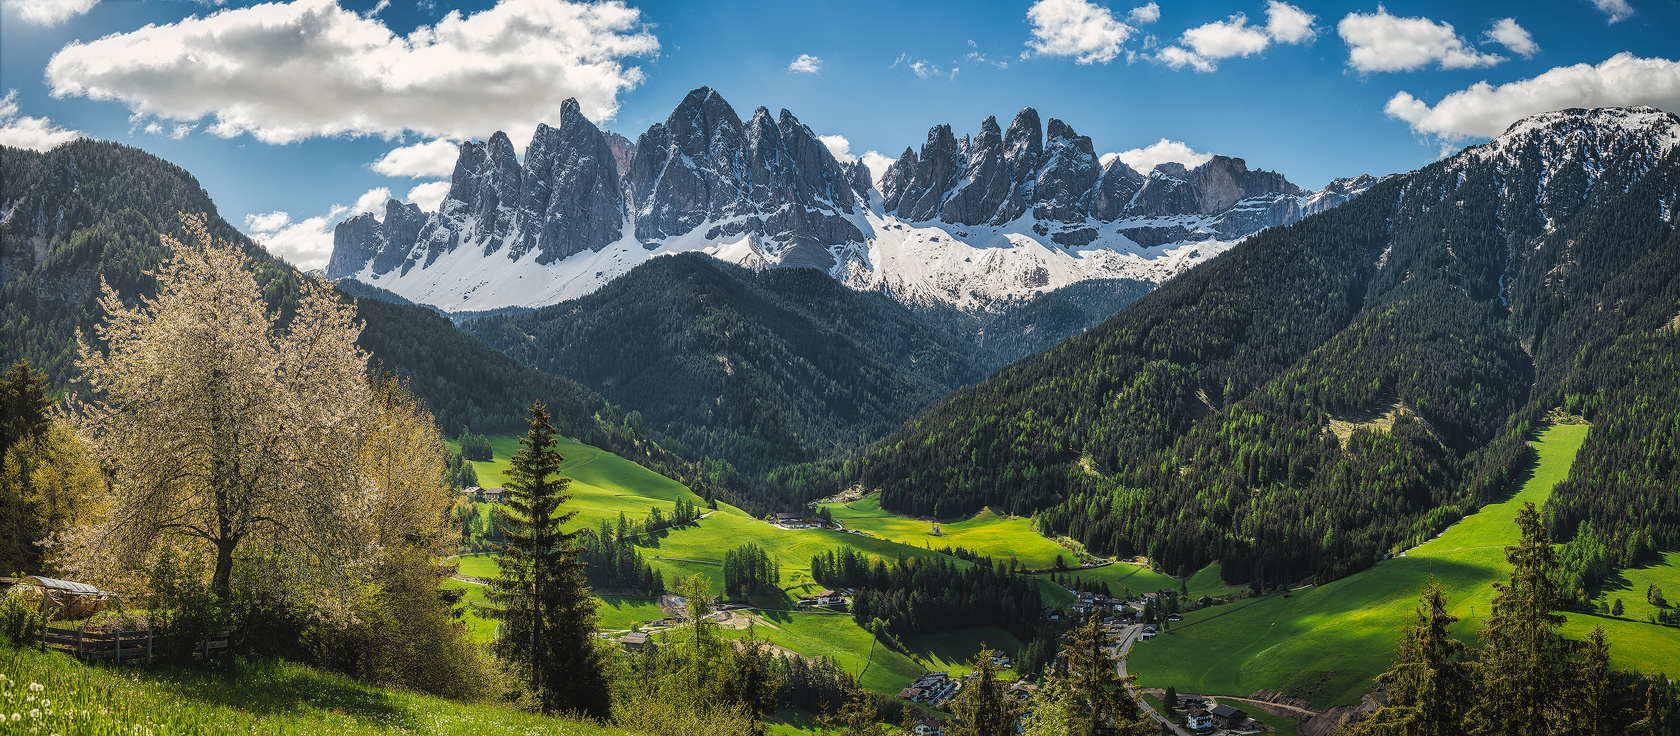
(1595, 698)
(1169, 701)
(1095, 679)
(548, 616)
(1429, 686)
(1524, 670)
(982, 708)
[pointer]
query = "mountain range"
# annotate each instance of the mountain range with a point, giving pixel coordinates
(974, 222)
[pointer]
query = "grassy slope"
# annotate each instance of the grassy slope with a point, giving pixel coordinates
(1630, 586)
(264, 698)
(1000, 537)
(1327, 642)
(603, 484)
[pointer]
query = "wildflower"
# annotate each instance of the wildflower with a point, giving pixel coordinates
(46, 703)
(36, 687)
(34, 714)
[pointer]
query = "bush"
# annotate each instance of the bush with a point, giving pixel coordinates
(20, 617)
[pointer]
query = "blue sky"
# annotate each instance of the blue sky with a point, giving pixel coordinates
(295, 114)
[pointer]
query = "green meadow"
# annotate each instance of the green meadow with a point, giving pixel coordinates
(1629, 586)
(604, 484)
(1000, 537)
(1325, 643)
(256, 697)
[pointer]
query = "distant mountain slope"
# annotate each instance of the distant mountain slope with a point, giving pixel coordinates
(89, 210)
(1197, 424)
(974, 222)
(756, 368)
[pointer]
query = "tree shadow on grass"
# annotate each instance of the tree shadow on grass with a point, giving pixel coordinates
(268, 688)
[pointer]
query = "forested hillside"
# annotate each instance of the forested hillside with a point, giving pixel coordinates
(90, 210)
(759, 369)
(1345, 387)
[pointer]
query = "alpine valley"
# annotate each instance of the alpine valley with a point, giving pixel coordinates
(898, 419)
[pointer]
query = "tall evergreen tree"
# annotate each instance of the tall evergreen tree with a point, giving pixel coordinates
(1429, 687)
(1525, 669)
(982, 708)
(1095, 679)
(548, 617)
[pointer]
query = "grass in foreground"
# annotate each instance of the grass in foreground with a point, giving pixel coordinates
(1326, 643)
(260, 697)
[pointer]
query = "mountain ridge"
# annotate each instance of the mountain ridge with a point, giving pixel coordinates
(971, 222)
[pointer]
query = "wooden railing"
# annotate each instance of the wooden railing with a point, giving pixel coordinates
(126, 646)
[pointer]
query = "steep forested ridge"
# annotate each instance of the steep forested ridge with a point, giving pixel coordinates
(759, 369)
(89, 210)
(1201, 422)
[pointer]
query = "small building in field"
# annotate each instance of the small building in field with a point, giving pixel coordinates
(830, 598)
(494, 495)
(636, 641)
(1224, 716)
(1198, 720)
(929, 727)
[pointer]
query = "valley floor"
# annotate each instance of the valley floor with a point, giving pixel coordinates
(1325, 643)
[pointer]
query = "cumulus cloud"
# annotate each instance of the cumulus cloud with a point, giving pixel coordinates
(1388, 43)
(1083, 30)
(306, 244)
(48, 12)
(1507, 33)
(373, 200)
(1485, 111)
(839, 146)
(21, 131)
(1144, 14)
(425, 159)
(288, 71)
(805, 64)
(1616, 9)
(1202, 47)
(877, 163)
(1144, 160)
(429, 195)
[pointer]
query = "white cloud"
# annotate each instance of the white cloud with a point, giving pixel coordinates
(1076, 28)
(839, 146)
(428, 159)
(805, 64)
(267, 223)
(1144, 14)
(49, 12)
(1507, 33)
(922, 67)
(1144, 160)
(429, 195)
(1209, 43)
(306, 244)
(288, 71)
(373, 200)
(1616, 9)
(1485, 111)
(877, 163)
(1388, 43)
(21, 131)
(1286, 23)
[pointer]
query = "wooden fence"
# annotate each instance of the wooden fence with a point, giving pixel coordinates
(126, 646)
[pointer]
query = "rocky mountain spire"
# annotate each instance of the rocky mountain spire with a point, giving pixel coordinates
(571, 200)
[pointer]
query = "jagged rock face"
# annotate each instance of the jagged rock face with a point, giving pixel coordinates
(364, 240)
(623, 149)
(1167, 191)
(1336, 193)
(1023, 146)
(703, 165)
(688, 170)
(989, 193)
(1222, 181)
(857, 174)
(936, 172)
(1114, 190)
(1069, 170)
(490, 188)
(571, 200)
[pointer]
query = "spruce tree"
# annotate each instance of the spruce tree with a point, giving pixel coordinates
(1524, 672)
(1429, 687)
(983, 708)
(1095, 679)
(548, 616)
